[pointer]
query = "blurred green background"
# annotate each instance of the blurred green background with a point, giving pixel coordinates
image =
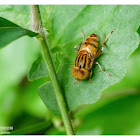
(117, 112)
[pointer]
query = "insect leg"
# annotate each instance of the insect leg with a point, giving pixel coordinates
(90, 76)
(104, 43)
(77, 46)
(71, 66)
(81, 42)
(83, 35)
(76, 82)
(102, 69)
(99, 53)
(107, 38)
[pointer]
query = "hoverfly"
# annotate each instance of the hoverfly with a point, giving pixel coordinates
(88, 52)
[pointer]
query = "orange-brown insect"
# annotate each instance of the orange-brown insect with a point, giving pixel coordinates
(86, 55)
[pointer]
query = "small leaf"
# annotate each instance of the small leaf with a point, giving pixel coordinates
(37, 70)
(47, 98)
(10, 32)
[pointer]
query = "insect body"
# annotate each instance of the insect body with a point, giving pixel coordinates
(86, 55)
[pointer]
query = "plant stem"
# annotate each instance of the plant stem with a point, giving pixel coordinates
(37, 26)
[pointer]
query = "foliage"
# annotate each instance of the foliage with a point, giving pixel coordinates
(10, 32)
(63, 37)
(118, 110)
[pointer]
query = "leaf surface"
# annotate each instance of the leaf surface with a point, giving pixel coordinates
(65, 32)
(10, 31)
(37, 70)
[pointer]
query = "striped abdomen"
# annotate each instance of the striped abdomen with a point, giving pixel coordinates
(82, 61)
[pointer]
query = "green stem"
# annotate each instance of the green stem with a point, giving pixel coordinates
(37, 25)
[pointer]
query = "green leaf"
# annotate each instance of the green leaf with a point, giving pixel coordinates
(37, 70)
(44, 96)
(116, 117)
(132, 77)
(65, 32)
(22, 19)
(10, 32)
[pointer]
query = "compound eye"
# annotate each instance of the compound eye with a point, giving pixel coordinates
(83, 74)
